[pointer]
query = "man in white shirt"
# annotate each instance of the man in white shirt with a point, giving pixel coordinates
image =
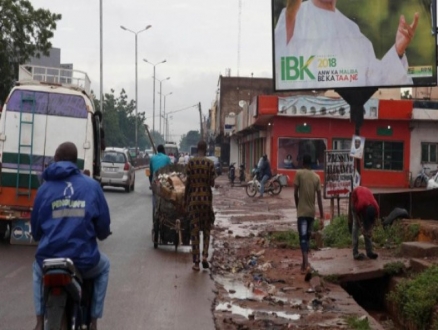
(313, 32)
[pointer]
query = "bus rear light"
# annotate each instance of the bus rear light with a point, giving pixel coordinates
(25, 214)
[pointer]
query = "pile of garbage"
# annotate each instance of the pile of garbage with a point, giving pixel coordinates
(172, 186)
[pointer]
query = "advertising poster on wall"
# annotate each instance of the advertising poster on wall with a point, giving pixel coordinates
(357, 144)
(321, 44)
(339, 172)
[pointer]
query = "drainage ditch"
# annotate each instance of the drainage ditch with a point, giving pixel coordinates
(371, 295)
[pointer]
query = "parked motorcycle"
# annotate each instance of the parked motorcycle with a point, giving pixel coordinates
(273, 186)
(67, 296)
(242, 173)
(423, 177)
(232, 173)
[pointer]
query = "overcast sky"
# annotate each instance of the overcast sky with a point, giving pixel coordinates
(198, 38)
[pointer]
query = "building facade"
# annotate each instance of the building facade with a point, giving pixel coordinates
(400, 136)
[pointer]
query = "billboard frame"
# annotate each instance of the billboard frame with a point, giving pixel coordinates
(417, 82)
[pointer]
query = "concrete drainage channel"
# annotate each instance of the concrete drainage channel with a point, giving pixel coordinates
(374, 285)
(371, 295)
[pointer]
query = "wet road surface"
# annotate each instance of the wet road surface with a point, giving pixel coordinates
(148, 288)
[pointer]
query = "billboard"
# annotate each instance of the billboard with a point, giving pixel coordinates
(329, 44)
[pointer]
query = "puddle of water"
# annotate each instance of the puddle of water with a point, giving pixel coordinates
(238, 289)
(244, 228)
(246, 312)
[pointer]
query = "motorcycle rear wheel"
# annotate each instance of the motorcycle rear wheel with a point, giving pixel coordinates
(418, 182)
(276, 187)
(251, 189)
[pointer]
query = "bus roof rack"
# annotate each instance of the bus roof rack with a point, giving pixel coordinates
(55, 76)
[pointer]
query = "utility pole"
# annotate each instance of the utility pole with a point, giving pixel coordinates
(200, 118)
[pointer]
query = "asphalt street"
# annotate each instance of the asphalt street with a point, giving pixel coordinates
(148, 289)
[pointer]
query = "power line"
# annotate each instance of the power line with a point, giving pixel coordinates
(170, 112)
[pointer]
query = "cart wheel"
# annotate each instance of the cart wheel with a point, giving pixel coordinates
(156, 234)
(176, 240)
(155, 231)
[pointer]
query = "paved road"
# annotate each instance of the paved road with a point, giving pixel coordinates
(149, 289)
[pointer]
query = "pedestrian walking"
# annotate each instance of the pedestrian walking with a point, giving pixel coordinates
(307, 185)
(363, 212)
(199, 202)
(159, 160)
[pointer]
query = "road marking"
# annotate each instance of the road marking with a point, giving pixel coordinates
(15, 272)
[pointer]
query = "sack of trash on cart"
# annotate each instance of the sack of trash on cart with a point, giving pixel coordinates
(170, 185)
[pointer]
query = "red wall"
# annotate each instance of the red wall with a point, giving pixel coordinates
(331, 128)
(267, 105)
(399, 109)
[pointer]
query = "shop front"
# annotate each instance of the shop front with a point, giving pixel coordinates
(324, 125)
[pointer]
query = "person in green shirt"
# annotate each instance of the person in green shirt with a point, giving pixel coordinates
(307, 184)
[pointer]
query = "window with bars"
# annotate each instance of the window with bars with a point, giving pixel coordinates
(341, 144)
(383, 155)
(291, 152)
(429, 152)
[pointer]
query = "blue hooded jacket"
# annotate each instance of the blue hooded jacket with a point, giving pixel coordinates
(69, 213)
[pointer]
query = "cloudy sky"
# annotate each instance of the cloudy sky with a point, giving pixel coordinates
(197, 38)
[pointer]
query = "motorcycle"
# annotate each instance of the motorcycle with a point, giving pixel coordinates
(242, 173)
(423, 177)
(273, 186)
(67, 296)
(232, 173)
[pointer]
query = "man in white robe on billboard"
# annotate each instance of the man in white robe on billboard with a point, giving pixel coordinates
(316, 31)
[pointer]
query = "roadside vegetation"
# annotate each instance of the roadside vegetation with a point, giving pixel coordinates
(416, 298)
(287, 239)
(337, 235)
(357, 323)
(394, 268)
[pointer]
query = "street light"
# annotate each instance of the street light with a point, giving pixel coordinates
(160, 96)
(167, 124)
(164, 114)
(153, 93)
(136, 81)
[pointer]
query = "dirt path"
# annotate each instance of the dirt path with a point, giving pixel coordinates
(259, 286)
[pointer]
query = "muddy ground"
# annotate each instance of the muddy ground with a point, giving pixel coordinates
(259, 285)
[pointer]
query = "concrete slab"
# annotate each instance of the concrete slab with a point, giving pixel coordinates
(419, 249)
(420, 265)
(339, 264)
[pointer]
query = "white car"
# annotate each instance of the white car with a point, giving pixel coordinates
(433, 182)
(118, 169)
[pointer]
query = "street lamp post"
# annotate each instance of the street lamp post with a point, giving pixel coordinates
(167, 124)
(161, 96)
(136, 81)
(164, 114)
(153, 96)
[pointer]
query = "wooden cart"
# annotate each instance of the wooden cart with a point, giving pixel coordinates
(171, 224)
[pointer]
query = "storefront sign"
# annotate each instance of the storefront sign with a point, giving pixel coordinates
(339, 171)
(321, 106)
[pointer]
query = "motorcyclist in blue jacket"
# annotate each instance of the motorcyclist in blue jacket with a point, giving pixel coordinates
(265, 173)
(70, 213)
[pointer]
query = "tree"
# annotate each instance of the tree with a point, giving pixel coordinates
(24, 32)
(190, 139)
(119, 122)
